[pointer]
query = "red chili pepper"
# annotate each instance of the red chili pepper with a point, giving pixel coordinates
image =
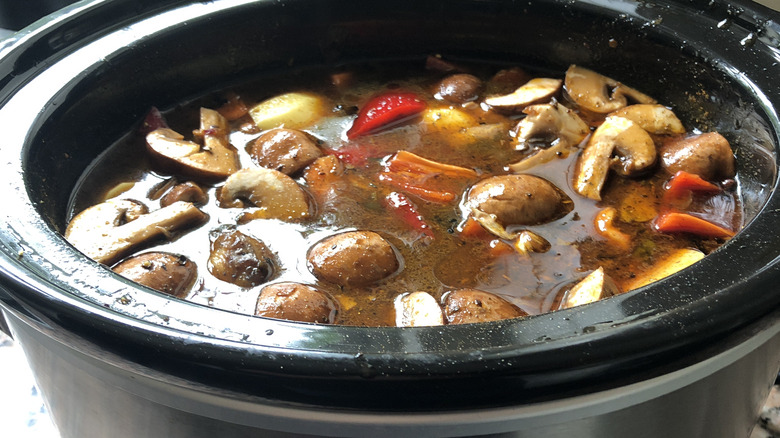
(400, 205)
(683, 184)
(675, 222)
(385, 110)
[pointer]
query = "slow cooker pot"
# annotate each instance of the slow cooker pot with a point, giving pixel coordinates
(692, 355)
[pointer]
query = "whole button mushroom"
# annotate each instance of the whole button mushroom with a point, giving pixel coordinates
(163, 272)
(518, 199)
(465, 306)
(285, 150)
(459, 88)
(354, 258)
(296, 302)
(708, 155)
(239, 259)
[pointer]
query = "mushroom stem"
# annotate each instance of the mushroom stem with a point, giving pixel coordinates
(94, 233)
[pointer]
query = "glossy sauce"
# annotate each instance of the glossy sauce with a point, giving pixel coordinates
(450, 261)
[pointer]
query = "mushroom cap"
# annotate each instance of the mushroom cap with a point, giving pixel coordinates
(534, 91)
(518, 199)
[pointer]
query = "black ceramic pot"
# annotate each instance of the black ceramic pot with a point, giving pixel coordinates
(692, 355)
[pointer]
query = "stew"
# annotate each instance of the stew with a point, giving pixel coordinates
(409, 194)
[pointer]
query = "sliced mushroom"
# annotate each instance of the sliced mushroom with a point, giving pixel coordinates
(465, 306)
(595, 286)
(285, 150)
(653, 118)
(107, 231)
(167, 273)
(276, 195)
(708, 155)
(560, 149)
(527, 242)
(550, 122)
(619, 144)
(240, 259)
(534, 91)
(353, 258)
(599, 94)
(296, 302)
(216, 159)
(417, 309)
(187, 192)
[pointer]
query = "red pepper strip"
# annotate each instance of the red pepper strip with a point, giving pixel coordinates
(404, 161)
(683, 184)
(472, 228)
(385, 110)
(403, 183)
(153, 120)
(675, 222)
(426, 179)
(404, 209)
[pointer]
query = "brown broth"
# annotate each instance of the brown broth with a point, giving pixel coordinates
(532, 282)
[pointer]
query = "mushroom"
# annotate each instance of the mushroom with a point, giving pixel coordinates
(619, 144)
(296, 302)
(417, 309)
(708, 155)
(285, 150)
(167, 273)
(186, 191)
(240, 259)
(459, 88)
(597, 93)
(653, 118)
(465, 306)
(550, 122)
(107, 231)
(216, 159)
(534, 91)
(595, 286)
(518, 200)
(353, 258)
(276, 195)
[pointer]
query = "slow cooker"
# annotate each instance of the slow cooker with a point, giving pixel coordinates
(693, 355)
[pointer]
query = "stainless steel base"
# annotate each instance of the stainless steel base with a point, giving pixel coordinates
(91, 396)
